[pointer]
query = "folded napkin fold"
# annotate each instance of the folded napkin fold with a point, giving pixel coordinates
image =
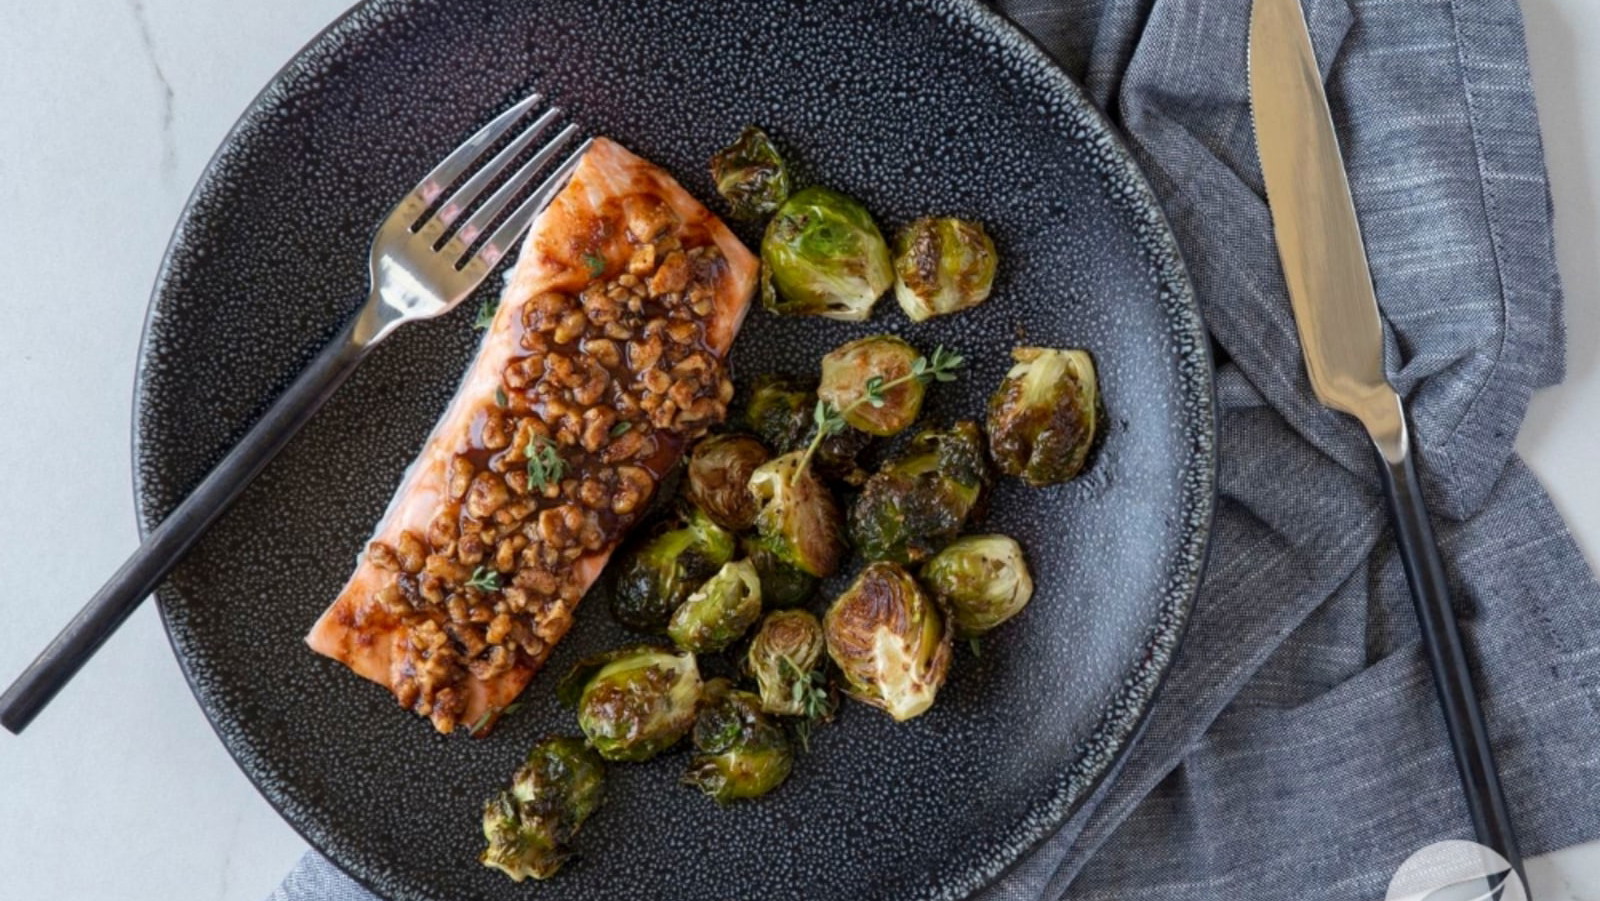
(1296, 749)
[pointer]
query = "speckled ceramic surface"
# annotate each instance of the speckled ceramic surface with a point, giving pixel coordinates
(929, 107)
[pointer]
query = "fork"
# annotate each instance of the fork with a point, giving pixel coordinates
(416, 273)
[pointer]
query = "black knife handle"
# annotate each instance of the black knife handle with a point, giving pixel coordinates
(1441, 639)
(168, 543)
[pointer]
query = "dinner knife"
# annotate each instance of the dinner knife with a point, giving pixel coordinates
(1341, 336)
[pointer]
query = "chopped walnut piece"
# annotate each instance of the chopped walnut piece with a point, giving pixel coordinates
(643, 261)
(488, 494)
(603, 351)
(671, 276)
(597, 423)
(412, 551)
(383, 555)
(634, 485)
(543, 312)
(460, 477)
(647, 218)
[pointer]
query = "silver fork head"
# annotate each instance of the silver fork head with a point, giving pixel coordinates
(414, 275)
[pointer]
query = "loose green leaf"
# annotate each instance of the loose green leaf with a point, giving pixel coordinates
(545, 466)
(484, 579)
(621, 428)
(486, 311)
(596, 264)
(500, 399)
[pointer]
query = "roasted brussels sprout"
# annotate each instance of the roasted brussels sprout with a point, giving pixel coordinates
(822, 255)
(739, 752)
(982, 580)
(799, 520)
(781, 411)
(530, 827)
(720, 611)
(919, 502)
(1042, 419)
(633, 703)
(890, 641)
(782, 584)
(657, 574)
(750, 175)
(942, 266)
(783, 658)
(719, 478)
(872, 382)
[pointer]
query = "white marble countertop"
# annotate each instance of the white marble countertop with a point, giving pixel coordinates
(109, 110)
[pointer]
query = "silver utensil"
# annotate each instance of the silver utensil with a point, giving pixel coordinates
(425, 260)
(1341, 335)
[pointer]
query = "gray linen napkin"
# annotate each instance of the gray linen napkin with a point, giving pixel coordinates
(1296, 750)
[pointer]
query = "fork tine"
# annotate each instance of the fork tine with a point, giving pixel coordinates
(501, 241)
(452, 166)
(482, 218)
(456, 203)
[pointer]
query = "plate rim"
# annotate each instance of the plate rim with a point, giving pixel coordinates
(1123, 725)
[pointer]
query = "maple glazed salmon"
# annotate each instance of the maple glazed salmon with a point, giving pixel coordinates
(605, 359)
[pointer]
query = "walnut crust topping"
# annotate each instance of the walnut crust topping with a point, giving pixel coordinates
(609, 384)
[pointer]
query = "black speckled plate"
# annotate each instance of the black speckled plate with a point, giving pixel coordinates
(923, 107)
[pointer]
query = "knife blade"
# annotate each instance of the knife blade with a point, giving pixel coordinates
(1314, 220)
(1341, 337)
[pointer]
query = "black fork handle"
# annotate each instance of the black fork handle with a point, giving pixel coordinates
(1441, 640)
(171, 540)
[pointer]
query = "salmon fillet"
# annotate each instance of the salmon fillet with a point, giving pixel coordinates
(604, 359)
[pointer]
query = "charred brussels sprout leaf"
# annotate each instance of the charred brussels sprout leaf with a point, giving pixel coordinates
(783, 658)
(529, 828)
(720, 611)
(942, 266)
(822, 255)
(782, 584)
(781, 412)
(1043, 418)
(719, 478)
(982, 580)
(657, 574)
(872, 383)
(919, 502)
(739, 752)
(750, 175)
(890, 641)
(799, 521)
(633, 703)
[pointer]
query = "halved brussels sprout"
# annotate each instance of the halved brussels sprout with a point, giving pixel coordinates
(783, 658)
(856, 381)
(739, 752)
(781, 413)
(719, 478)
(942, 265)
(782, 584)
(720, 612)
(750, 175)
(633, 703)
(799, 520)
(1043, 417)
(982, 580)
(919, 502)
(822, 255)
(530, 827)
(659, 573)
(890, 641)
